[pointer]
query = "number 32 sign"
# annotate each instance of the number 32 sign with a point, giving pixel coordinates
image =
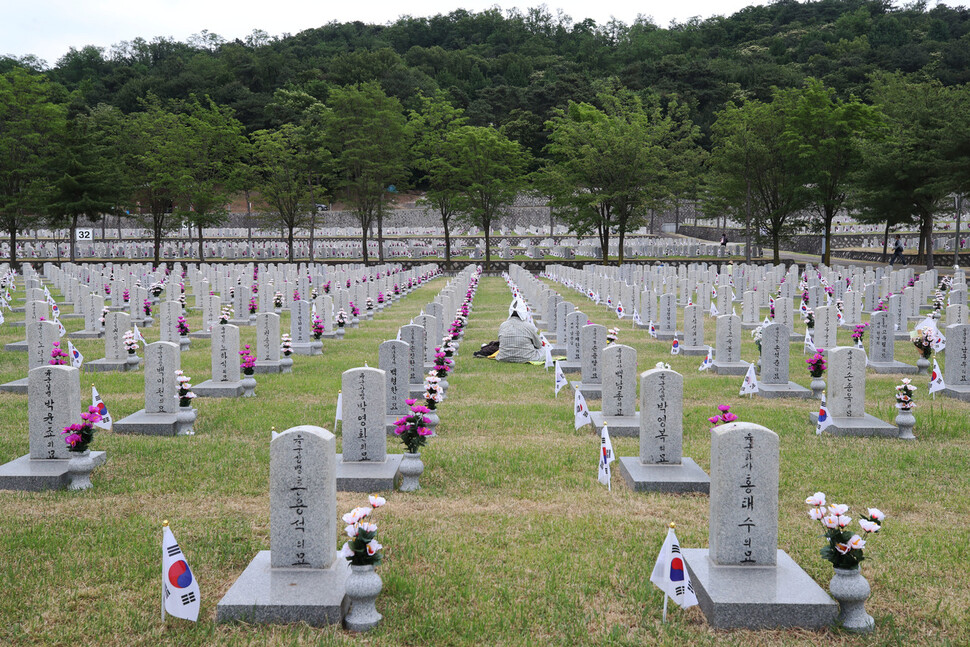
(84, 234)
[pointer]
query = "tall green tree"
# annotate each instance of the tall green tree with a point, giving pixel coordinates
(490, 169)
(434, 154)
(213, 147)
(366, 132)
(32, 126)
(281, 171)
(827, 133)
(607, 165)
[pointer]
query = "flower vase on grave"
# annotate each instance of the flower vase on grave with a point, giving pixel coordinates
(79, 469)
(286, 364)
(184, 343)
(185, 418)
(922, 366)
(851, 591)
(905, 420)
(432, 419)
(818, 387)
(363, 585)
(133, 361)
(411, 468)
(248, 383)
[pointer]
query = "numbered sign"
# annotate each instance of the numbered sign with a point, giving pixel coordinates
(84, 234)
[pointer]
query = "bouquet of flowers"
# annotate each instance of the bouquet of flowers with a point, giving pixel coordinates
(183, 326)
(131, 345)
(58, 356)
(881, 306)
(341, 318)
(362, 548)
(147, 307)
(354, 310)
(442, 363)
(816, 364)
(938, 301)
(252, 305)
(79, 435)
(156, 289)
(326, 287)
(412, 428)
(317, 328)
(104, 313)
(296, 295)
(107, 289)
(185, 394)
(313, 293)
(225, 315)
(278, 299)
(922, 338)
(612, 334)
(380, 297)
(449, 347)
(248, 363)
(723, 416)
(432, 390)
(809, 318)
(844, 548)
(858, 333)
(904, 395)
(756, 336)
(369, 304)
(126, 296)
(397, 289)
(255, 287)
(286, 345)
(182, 300)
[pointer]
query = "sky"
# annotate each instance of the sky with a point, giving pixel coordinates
(48, 28)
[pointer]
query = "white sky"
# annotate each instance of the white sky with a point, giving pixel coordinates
(48, 28)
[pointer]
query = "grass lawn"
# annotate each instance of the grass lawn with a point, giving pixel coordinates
(510, 541)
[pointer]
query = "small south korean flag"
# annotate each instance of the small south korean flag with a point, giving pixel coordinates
(547, 349)
(77, 359)
(714, 312)
(936, 379)
(180, 590)
(824, 419)
(670, 574)
(606, 457)
(560, 378)
(653, 330)
(708, 361)
(636, 317)
(809, 346)
(138, 335)
(750, 384)
(675, 347)
(580, 410)
(619, 310)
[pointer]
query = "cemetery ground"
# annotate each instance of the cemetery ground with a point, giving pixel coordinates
(511, 539)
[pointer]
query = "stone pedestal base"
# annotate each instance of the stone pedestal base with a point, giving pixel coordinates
(686, 477)
(85, 334)
(790, 390)
(766, 597)
(867, 425)
(148, 424)
(241, 322)
(367, 476)
(305, 349)
(17, 386)
(589, 391)
(627, 426)
(892, 367)
(668, 335)
(264, 595)
(958, 392)
(696, 351)
(729, 368)
(35, 475)
(210, 389)
(103, 365)
(567, 367)
(202, 334)
(389, 424)
(16, 346)
(416, 391)
(268, 367)
(750, 326)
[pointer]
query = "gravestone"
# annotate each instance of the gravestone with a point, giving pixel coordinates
(826, 327)
(727, 347)
(619, 403)
(160, 415)
(775, 349)
(846, 396)
(116, 357)
(268, 343)
(661, 466)
(93, 310)
(667, 328)
(168, 314)
(575, 321)
(300, 325)
(392, 358)
(957, 313)
(225, 381)
(41, 336)
(300, 578)
(53, 402)
(365, 465)
(742, 580)
(693, 331)
(592, 342)
(413, 336)
(882, 346)
(956, 368)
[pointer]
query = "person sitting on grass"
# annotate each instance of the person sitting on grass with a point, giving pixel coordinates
(518, 339)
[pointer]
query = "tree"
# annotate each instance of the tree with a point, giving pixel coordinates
(281, 171)
(434, 155)
(90, 179)
(366, 130)
(756, 172)
(31, 126)
(607, 165)
(827, 134)
(213, 147)
(154, 163)
(490, 169)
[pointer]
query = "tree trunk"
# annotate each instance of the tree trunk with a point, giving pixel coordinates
(380, 234)
(828, 216)
(928, 218)
(885, 243)
(444, 221)
(774, 244)
(488, 248)
(363, 241)
(13, 249)
(676, 215)
(289, 241)
(201, 246)
(619, 254)
(956, 234)
(158, 242)
(73, 236)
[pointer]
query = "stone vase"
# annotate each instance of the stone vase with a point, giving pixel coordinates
(922, 366)
(316, 347)
(411, 468)
(252, 317)
(905, 420)
(286, 363)
(184, 343)
(433, 420)
(851, 591)
(818, 387)
(249, 385)
(132, 361)
(79, 468)
(363, 586)
(278, 310)
(185, 417)
(147, 322)
(340, 331)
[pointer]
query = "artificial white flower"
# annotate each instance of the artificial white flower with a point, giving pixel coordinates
(857, 543)
(816, 499)
(367, 527)
(351, 530)
(346, 551)
(830, 521)
(373, 547)
(816, 513)
(844, 521)
(842, 548)
(377, 501)
(877, 514)
(838, 508)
